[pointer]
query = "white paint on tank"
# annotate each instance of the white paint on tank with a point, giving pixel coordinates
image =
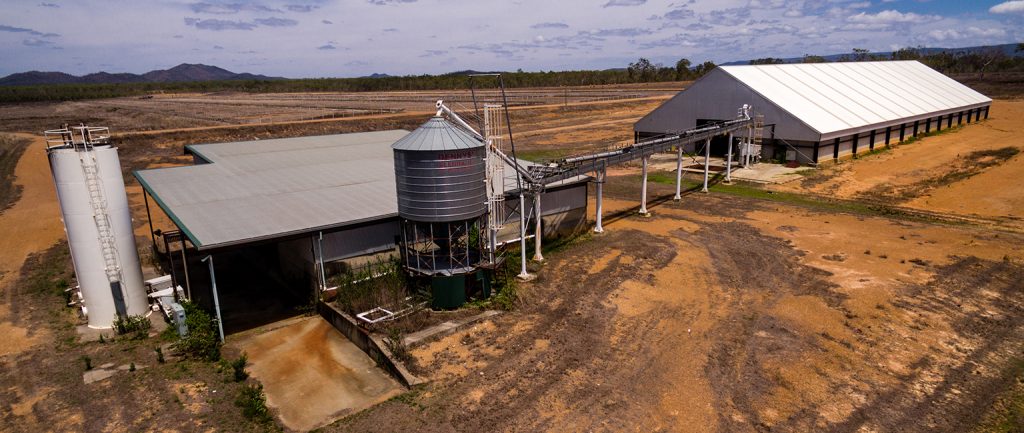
(83, 235)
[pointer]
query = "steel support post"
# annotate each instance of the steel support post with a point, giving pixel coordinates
(149, 220)
(522, 237)
(679, 173)
(170, 258)
(600, 190)
(537, 228)
(728, 161)
(643, 188)
(750, 152)
(320, 259)
(707, 164)
(216, 299)
(184, 264)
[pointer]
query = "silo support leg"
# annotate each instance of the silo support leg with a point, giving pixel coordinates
(537, 229)
(600, 190)
(643, 189)
(679, 174)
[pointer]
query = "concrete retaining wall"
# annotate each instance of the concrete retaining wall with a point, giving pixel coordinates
(371, 344)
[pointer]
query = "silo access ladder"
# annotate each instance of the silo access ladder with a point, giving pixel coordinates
(99, 214)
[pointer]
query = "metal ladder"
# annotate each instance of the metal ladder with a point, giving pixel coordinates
(495, 174)
(99, 213)
(755, 145)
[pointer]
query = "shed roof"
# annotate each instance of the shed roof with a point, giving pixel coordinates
(834, 97)
(265, 189)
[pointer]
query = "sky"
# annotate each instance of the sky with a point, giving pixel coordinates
(350, 38)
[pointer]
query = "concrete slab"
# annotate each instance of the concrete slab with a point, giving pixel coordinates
(446, 328)
(759, 173)
(312, 375)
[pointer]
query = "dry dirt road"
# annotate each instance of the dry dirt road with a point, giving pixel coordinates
(33, 224)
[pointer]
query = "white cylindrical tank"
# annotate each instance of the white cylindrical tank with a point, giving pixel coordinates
(83, 234)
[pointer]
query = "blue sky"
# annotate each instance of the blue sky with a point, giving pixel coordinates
(320, 38)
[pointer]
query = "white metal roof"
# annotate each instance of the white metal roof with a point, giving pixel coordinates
(264, 189)
(834, 97)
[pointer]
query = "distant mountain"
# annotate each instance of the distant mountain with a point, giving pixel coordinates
(1009, 49)
(472, 72)
(182, 73)
(376, 75)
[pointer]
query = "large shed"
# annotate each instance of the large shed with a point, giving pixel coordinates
(284, 215)
(816, 111)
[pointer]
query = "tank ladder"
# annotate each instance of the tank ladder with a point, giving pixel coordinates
(494, 139)
(755, 145)
(99, 209)
(108, 243)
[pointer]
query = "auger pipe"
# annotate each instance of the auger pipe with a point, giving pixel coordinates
(576, 166)
(441, 108)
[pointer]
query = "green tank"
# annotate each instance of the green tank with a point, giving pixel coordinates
(448, 293)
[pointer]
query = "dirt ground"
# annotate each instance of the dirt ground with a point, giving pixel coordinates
(969, 171)
(177, 111)
(720, 314)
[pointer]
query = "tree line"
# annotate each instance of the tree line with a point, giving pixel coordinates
(946, 61)
(640, 71)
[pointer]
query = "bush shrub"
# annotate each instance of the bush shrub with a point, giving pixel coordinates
(396, 345)
(253, 403)
(202, 340)
(136, 324)
(238, 368)
(381, 283)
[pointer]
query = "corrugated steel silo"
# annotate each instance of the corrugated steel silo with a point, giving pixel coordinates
(442, 196)
(440, 174)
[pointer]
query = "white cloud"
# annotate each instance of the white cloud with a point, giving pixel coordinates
(624, 3)
(892, 17)
(973, 33)
(1010, 7)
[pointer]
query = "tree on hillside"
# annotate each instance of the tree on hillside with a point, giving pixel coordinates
(704, 68)
(683, 69)
(907, 53)
(767, 61)
(811, 58)
(642, 70)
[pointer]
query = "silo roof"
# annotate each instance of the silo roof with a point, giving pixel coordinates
(836, 97)
(437, 134)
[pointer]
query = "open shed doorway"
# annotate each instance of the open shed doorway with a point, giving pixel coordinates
(252, 288)
(719, 143)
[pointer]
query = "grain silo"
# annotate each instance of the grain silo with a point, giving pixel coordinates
(94, 207)
(442, 198)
